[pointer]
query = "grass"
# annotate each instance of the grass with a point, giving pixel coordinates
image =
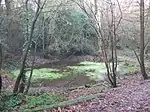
(127, 67)
(43, 73)
(44, 99)
(92, 69)
(96, 71)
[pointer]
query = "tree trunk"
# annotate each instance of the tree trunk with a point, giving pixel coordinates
(31, 72)
(22, 70)
(1, 63)
(0, 83)
(22, 84)
(142, 64)
(21, 73)
(112, 33)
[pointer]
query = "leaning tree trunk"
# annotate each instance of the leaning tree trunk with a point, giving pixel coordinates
(22, 84)
(22, 70)
(142, 64)
(31, 72)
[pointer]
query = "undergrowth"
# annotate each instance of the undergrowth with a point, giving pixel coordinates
(44, 99)
(94, 70)
(43, 73)
(11, 102)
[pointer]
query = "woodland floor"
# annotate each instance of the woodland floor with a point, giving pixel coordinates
(131, 95)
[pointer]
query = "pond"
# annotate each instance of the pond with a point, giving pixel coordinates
(74, 74)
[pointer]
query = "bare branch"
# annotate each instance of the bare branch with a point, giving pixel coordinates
(121, 15)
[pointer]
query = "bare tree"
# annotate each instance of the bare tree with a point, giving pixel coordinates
(21, 75)
(142, 30)
(101, 32)
(32, 68)
(113, 45)
(1, 63)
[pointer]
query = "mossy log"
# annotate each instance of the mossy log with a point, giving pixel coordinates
(65, 103)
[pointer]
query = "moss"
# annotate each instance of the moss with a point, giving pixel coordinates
(65, 103)
(43, 73)
(44, 99)
(96, 71)
(10, 102)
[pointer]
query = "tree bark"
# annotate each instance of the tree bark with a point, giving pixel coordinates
(1, 63)
(113, 44)
(23, 81)
(31, 72)
(22, 70)
(142, 30)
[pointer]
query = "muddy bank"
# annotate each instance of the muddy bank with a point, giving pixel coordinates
(70, 81)
(55, 61)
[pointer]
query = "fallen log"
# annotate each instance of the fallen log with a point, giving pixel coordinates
(65, 103)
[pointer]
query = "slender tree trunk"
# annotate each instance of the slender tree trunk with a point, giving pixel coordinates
(1, 63)
(1, 57)
(0, 82)
(112, 33)
(113, 61)
(44, 33)
(31, 72)
(115, 57)
(22, 84)
(142, 65)
(22, 70)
